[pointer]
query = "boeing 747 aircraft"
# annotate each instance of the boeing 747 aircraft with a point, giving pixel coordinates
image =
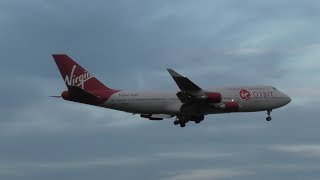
(190, 103)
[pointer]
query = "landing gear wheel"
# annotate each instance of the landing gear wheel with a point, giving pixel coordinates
(269, 115)
(182, 124)
(176, 122)
(197, 122)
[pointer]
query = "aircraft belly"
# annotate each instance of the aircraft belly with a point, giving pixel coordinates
(154, 108)
(144, 107)
(255, 105)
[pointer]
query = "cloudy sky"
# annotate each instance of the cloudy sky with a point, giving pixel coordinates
(128, 44)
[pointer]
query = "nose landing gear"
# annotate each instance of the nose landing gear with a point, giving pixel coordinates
(269, 115)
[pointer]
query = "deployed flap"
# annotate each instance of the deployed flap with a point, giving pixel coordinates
(156, 116)
(185, 84)
(161, 116)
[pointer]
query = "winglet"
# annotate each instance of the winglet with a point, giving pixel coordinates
(173, 73)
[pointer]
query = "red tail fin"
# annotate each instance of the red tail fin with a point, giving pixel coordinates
(74, 75)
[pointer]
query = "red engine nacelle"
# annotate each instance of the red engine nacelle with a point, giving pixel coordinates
(65, 95)
(230, 106)
(213, 97)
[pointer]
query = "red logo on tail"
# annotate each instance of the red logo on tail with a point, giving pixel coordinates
(244, 94)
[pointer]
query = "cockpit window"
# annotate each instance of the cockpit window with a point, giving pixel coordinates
(274, 88)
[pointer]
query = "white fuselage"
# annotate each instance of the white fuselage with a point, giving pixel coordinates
(190, 103)
(258, 98)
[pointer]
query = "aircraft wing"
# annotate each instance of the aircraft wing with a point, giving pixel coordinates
(185, 84)
(190, 92)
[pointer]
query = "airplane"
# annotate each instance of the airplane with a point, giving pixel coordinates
(190, 103)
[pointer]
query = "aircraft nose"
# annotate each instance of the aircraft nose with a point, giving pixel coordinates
(288, 99)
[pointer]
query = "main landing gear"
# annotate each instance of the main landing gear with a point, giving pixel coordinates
(182, 124)
(269, 115)
(181, 121)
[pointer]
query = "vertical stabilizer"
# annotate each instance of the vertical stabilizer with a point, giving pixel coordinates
(75, 75)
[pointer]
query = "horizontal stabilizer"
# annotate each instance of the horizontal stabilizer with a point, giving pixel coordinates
(55, 96)
(80, 95)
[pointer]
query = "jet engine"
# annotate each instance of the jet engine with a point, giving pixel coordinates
(230, 106)
(212, 97)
